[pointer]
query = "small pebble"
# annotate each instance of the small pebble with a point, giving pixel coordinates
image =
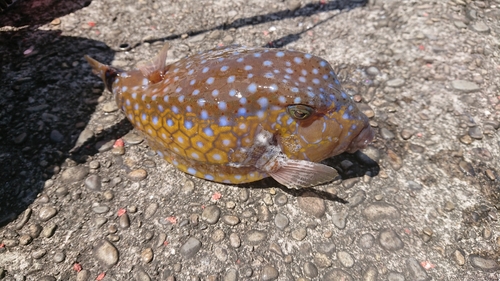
(190, 247)
(281, 221)
(46, 213)
(132, 138)
(395, 83)
(59, 257)
(106, 253)
(218, 235)
(137, 175)
(234, 240)
(25, 239)
(311, 204)
(310, 270)
(269, 273)
(93, 182)
(255, 237)
(211, 214)
(49, 230)
(147, 255)
(299, 234)
(230, 220)
(465, 86)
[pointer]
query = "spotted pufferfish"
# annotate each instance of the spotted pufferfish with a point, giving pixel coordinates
(239, 114)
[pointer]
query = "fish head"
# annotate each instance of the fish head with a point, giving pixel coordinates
(326, 126)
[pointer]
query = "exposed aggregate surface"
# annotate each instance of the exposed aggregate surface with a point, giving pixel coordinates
(421, 203)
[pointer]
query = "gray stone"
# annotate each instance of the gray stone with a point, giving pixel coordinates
(147, 255)
(483, 263)
(337, 275)
(345, 259)
(390, 240)
(234, 240)
(395, 83)
(84, 136)
(310, 203)
(230, 220)
(269, 273)
(280, 199)
(47, 212)
(106, 253)
(475, 132)
(326, 248)
(93, 182)
(132, 138)
(231, 275)
(395, 276)
(56, 136)
(255, 237)
(124, 221)
(104, 145)
(83, 275)
(370, 274)
(281, 221)
(413, 185)
(322, 260)
(358, 198)
(110, 107)
(415, 271)
(480, 27)
(310, 270)
(47, 278)
(211, 214)
(49, 230)
(263, 213)
(373, 71)
(299, 234)
(24, 219)
(381, 211)
(141, 275)
(59, 256)
(150, 210)
(74, 174)
(340, 219)
(386, 134)
(220, 253)
(190, 247)
(100, 209)
(465, 86)
(366, 241)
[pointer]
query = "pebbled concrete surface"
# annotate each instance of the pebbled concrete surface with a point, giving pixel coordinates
(421, 203)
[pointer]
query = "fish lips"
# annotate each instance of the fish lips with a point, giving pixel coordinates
(362, 139)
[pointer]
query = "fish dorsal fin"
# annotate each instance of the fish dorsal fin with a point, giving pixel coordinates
(155, 68)
(301, 174)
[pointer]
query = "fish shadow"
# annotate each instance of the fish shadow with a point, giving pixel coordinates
(48, 96)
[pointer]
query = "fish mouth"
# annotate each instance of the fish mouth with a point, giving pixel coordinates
(362, 140)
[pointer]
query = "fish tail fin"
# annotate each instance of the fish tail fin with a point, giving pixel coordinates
(154, 69)
(298, 174)
(106, 72)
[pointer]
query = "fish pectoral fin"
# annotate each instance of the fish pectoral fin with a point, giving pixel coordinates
(155, 69)
(301, 174)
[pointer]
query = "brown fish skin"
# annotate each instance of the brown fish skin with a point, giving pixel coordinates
(240, 114)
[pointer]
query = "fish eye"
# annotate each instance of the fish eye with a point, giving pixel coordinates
(299, 111)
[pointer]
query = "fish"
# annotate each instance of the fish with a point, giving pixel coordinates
(239, 114)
